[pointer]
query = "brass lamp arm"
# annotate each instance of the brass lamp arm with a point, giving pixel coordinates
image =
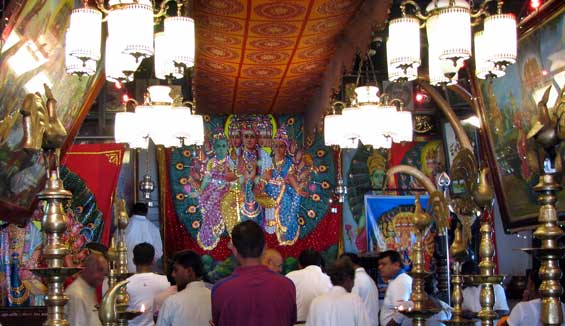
(417, 10)
(165, 6)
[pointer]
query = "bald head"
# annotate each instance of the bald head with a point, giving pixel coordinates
(95, 269)
(273, 260)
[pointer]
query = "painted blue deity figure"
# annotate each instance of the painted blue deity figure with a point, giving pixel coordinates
(18, 293)
(216, 184)
(252, 163)
(280, 183)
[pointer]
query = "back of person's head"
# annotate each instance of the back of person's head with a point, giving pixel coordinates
(310, 257)
(341, 271)
(95, 269)
(470, 267)
(170, 269)
(143, 254)
(393, 255)
(249, 239)
(96, 247)
(139, 209)
(190, 259)
(353, 257)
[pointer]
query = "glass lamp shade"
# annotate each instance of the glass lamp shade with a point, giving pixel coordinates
(84, 40)
(333, 130)
(367, 94)
(436, 71)
(402, 128)
(198, 129)
(131, 26)
(378, 141)
(449, 31)
(164, 65)
(160, 94)
(351, 118)
(396, 74)
(118, 65)
(124, 127)
(501, 39)
(76, 66)
(180, 31)
(483, 68)
(405, 46)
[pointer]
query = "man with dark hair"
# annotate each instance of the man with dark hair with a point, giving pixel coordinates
(144, 285)
(365, 288)
(310, 281)
(191, 305)
(139, 230)
(253, 294)
(339, 307)
(171, 290)
(398, 290)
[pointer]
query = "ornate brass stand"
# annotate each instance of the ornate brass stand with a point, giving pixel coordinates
(420, 311)
(458, 252)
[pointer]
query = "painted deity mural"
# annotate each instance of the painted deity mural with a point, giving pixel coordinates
(252, 167)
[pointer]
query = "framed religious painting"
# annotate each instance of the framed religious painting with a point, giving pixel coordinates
(509, 109)
(33, 54)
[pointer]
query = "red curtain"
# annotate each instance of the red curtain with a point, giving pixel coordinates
(99, 166)
(176, 237)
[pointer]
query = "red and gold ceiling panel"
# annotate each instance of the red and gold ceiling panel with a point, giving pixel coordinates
(264, 56)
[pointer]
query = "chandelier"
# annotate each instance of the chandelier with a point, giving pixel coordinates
(167, 122)
(371, 119)
(130, 39)
(448, 26)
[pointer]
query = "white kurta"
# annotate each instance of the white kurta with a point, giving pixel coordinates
(190, 307)
(527, 313)
(367, 290)
(81, 307)
(472, 295)
(337, 308)
(161, 297)
(310, 282)
(142, 289)
(398, 290)
(139, 230)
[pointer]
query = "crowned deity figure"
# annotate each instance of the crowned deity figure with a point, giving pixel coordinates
(217, 183)
(280, 183)
(252, 163)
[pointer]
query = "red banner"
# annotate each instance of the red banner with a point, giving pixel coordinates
(99, 166)
(176, 237)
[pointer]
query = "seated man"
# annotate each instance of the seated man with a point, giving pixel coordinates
(339, 306)
(253, 294)
(144, 285)
(192, 305)
(528, 312)
(310, 281)
(398, 290)
(81, 308)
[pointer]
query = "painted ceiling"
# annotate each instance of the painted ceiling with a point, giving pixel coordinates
(265, 56)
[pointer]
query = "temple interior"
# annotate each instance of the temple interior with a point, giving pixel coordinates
(431, 129)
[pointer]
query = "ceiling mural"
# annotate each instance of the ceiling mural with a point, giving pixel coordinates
(264, 56)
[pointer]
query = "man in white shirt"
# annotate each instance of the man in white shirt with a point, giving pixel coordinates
(366, 289)
(193, 305)
(144, 285)
(339, 307)
(398, 290)
(139, 230)
(81, 307)
(309, 281)
(272, 259)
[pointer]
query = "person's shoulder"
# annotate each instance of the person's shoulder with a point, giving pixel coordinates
(226, 283)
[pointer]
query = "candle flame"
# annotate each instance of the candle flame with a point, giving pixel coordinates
(142, 309)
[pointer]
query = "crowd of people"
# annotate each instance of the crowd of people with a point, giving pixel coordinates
(256, 293)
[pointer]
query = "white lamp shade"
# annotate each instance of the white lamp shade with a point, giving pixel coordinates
(403, 127)
(117, 63)
(160, 94)
(124, 127)
(484, 68)
(164, 65)
(405, 47)
(351, 125)
(84, 40)
(131, 26)
(74, 65)
(367, 94)
(396, 74)
(501, 38)
(333, 129)
(198, 129)
(181, 28)
(451, 27)
(436, 68)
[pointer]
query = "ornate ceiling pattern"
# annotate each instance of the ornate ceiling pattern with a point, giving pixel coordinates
(264, 56)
